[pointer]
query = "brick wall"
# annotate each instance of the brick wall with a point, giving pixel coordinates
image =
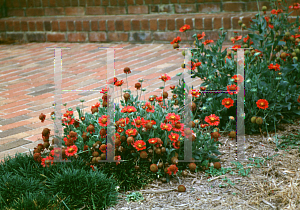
(30, 8)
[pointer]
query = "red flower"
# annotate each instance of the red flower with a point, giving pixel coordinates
(207, 42)
(172, 117)
(227, 102)
(267, 19)
(176, 144)
(174, 136)
(201, 36)
(202, 88)
(176, 40)
(47, 161)
(159, 99)
(236, 47)
(92, 167)
(120, 130)
(195, 93)
(119, 83)
(298, 99)
(295, 6)
(128, 109)
(172, 168)
(71, 150)
(165, 78)
(212, 120)
(246, 38)
(138, 122)
(172, 87)
(271, 26)
(236, 39)
(238, 78)
(103, 120)
(152, 141)
(139, 145)
(274, 67)
(178, 129)
(117, 158)
(131, 132)
(104, 90)
(233, 89)
(262, 104)
(167, 127)
(184, 28)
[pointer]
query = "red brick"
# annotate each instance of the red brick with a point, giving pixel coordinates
(140, 2)
(89, 3)
(47, 25)
(189, 21)
(185, 8)
(39, 26)
(54, 11)
(165, 1)
(2, 26)
(207, 23)
(163, 36)
(135, 25)
(74, 11)
(45, 3)
(24, 26)
(102, 25)
(17, 26)
(127, 25)
(31, 25)
(212, 35)
(23, 3)
(52, 3)
(252, 6)
(235, 24)
(138, 9)
(153, 25)
(227, 22)
(35, 12)
(113, 2)
(110, 25)
(78, 25)
(171, 24)
(63, 26)
(140, 37)
(86, 25)
(95, 11)
(246, 20)
(57, 37)
(77, 37)
(36, 37)
(94, 25)
(97, 2)
(71, 26)
(75, 2)
(15, 4)
(179, 23)
(162, 23)
(117, 36)
(115, 10)
(121, 2)
(217, 22)
(97, 36)
(213, 7)
(105, 3)
(15, 36)
(233, 7)
(119, 25)
(55, 25)
(15, 12)
(145, 25)
(130, 2)
(174, 1)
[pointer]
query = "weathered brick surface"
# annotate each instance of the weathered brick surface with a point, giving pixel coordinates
(210, 7)
(135, 25)
(138, 9)
(116, 10)
(54, 11)
(185, 8)
(97, 36)
(77, 37)
(95, 11)
(35, 12)
(36, 37)
(15, 12)
(234, 7)
(117, 36)
(74, 11)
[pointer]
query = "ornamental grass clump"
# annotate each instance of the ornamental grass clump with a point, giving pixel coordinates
(272, 73)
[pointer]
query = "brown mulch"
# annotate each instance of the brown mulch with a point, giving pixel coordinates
(274, 185)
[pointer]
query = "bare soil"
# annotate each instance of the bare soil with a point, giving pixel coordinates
(274, 185)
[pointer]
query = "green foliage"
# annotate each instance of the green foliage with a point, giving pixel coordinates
(135, 196)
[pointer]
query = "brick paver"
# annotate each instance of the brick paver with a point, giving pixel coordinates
(27, 83)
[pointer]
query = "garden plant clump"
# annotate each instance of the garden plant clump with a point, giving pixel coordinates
(150, 135)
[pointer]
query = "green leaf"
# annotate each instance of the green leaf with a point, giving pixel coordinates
(281, 43)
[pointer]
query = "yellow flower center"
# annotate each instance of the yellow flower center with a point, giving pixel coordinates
(172, 117)
(139, 145)
(104, 120)
(174, 137)
(262, 103)
(70, 150)
(130, 132)
(212, 119)
(227, 102)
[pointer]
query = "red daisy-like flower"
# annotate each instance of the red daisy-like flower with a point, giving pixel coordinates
(167, 127)
(208, 42)
(120, 130)
(275, 67)
(295, 6)
(139, 145)
(184, 28)
(227, 102)
(176, 40)
(159, 99)
(103, 120)
(202, 88)
(119, 83)
(47, 161)
(128, 109)
(71, 150)
(236, 47)
(262, 104)
(172, 87)
(195, 93)
(246, 38)
(233, 89)
(172, 169)
(124, 121)
(201, 36)
(165, 78)
(150, 108)
(178, 129)
(173, 136)
(238, 78)
(138, 122)
(271, 26)
(56, 152)
(68, 114)
(212, 120)
(176, 144)
(152, 141)
(131, 132)
(204, 125)
(117, 159)
(104, 90)
(172, 117)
